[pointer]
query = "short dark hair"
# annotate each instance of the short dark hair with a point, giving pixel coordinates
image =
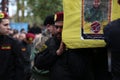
(49, 20)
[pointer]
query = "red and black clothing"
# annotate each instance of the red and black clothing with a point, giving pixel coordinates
(11, 67)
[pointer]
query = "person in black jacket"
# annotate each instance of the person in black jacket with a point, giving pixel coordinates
(26, 45)
(54, 48)
(112, 39)
(11, 66)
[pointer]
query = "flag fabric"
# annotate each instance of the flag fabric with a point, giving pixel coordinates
(83, 23)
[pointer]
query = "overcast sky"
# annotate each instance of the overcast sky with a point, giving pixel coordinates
(12, 7)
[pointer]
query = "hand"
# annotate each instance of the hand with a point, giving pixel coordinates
(61, 49)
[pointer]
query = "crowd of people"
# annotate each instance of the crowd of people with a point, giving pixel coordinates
(20, 53)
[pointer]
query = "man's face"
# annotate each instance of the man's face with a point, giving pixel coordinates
(96, 3)
(58, 29)
(22, 36)
(51, 29)
(5, 27)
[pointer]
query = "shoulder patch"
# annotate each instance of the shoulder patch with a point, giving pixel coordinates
(23, 49)
(5, 47)
(43, 47)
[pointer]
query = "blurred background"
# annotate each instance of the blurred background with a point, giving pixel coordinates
(30, 11)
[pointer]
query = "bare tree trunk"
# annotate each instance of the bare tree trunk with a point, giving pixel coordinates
(18, 8)
(22, 9)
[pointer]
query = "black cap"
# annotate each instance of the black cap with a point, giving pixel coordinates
(49, 20)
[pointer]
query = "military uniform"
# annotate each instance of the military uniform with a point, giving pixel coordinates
(93, 14)
(11, 67)
(38, 46)
(26, 52)
(52, 44)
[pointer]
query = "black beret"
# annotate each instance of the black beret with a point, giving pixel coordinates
(49, 20)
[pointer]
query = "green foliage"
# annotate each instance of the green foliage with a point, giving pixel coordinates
(42, 8)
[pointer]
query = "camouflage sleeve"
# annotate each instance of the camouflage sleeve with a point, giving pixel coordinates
(41, 45)
(46, 58)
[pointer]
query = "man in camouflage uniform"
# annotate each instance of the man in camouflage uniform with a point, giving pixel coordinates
(38, 46)
(53, 50)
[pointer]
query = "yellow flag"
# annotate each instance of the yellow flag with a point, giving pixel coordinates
(84, 22)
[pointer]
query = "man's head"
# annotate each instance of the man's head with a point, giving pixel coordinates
(4, 23)
(22, 36)
(58, 24)
(96, 3)
(49, 24)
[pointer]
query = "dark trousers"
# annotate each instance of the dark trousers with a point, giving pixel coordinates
(79, 61)
(116, 78)
(100, 64)
(115, 64)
